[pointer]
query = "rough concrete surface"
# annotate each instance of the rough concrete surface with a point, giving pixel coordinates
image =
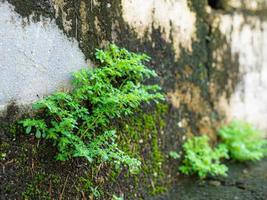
(35, 57)
(245, 181)
(248, 38)
(177, 27)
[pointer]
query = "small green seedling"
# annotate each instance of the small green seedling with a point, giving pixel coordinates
(114, 197)
(2, 156)
(174, 155)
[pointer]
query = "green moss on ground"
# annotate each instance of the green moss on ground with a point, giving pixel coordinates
(141, 136)
(30, 164)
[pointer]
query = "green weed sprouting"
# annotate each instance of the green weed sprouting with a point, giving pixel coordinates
(243, 141)
(78, 122)
(239, 141)
(174, 155)
(201, 159)
(114, 197)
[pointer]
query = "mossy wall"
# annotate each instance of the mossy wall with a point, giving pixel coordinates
(195, 79)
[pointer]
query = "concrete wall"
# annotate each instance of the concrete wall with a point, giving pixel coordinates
(246, 32)
(177, 27)
(42, 43)
(36, 57)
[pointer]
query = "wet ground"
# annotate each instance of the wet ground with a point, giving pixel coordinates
(244, 182)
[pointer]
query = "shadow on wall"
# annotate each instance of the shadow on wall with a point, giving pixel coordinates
(215, 4)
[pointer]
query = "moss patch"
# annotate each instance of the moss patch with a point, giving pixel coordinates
(146, 132)
(30, 164)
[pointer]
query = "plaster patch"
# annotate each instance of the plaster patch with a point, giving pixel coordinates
(35, 58)
(175, 19)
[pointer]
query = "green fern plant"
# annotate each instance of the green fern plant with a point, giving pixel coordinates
(243, 141)
(201, 159)
(78, 122)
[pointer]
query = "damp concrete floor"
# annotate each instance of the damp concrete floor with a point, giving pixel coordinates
(245, 181)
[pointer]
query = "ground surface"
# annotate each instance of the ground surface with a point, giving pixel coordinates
(28, 170)
(244, 182)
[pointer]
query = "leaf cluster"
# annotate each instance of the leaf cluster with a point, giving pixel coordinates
(243, 141)
(78, 122)
(201, 159)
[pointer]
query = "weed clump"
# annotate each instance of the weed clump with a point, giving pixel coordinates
(243, 141)
(78, 122)
(201, 159)
(239, 141)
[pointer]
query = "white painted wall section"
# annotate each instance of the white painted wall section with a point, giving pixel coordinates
(35, 58)
(173, 17)
(248, 39)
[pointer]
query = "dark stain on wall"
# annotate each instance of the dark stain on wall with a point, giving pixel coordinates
(36, 8)
(215, 4)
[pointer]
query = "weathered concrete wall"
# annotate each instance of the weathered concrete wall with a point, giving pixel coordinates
(179, 28)
(176, 41)
(53, 38)
(245, 31)
(36, 57)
